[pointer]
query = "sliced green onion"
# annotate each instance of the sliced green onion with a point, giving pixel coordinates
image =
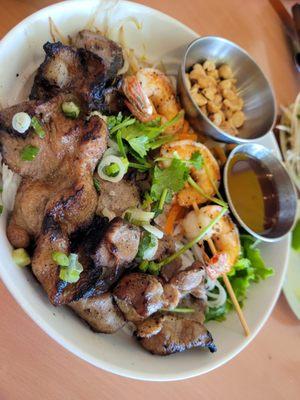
(60, 258)
(121, 162)
(199, 190)
(29, 152)
(21, 122)
(71, 273)
(37, 126)
(112, 169)
(148, 246)
(143, 266)
(21, 257)
(183, 310)
(137, 216)
(97, 184)
(70, 109)
(152, 229)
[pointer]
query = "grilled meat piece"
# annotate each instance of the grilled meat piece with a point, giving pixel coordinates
(100, 312)
(114, 253)
(109, 51)
(174, 333)
(71, 205)
(74, 154)
(70, 70)
(139, 295)
(88, 71)
(61, 137)
(117, 197)
(190, 278)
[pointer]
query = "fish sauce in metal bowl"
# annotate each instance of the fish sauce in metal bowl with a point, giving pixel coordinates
(253, 193)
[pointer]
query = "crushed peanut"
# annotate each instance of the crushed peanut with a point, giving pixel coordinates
(214, 90)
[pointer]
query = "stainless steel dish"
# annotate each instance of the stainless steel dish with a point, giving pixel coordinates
(253, 87)
(284, 192)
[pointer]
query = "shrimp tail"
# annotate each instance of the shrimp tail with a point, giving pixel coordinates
(217, 266)
(137, 101)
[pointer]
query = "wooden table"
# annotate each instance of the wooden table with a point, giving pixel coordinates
(33, 366)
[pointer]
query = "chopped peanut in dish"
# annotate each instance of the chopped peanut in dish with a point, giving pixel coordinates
(214, 90)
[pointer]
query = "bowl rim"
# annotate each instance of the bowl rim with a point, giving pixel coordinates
(228, 136)
(236, 150)
(58, 337)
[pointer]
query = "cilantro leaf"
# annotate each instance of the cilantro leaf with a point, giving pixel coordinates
(118, 122)
(139, 145)
(140, 136)
(172, 178)
(196, 160)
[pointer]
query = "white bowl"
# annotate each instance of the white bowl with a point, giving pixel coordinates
(165, 39)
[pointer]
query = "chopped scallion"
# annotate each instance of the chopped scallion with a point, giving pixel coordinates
(70, 109)
(37, 126)
(97, 184)
(60, 258)
(29, 152)
(184, 310)
(112, 169)
(21, 257)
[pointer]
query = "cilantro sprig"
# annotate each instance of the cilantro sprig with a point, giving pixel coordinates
(140, 137)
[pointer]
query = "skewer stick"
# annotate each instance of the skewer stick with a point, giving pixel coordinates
(228, 286)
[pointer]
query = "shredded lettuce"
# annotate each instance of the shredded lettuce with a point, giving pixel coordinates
(249, 268)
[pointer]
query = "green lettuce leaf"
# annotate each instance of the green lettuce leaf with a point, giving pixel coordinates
(250, 268)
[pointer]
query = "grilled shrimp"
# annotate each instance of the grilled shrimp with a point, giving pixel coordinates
(207, 177)
(149, 95)
(224, 235)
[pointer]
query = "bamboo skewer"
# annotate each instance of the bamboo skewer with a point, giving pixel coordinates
(231, 294)
(228, 286)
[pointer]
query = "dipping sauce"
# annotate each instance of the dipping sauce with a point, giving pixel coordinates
(253, 193)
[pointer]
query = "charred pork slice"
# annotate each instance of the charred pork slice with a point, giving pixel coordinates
(88, 71)
(62, 136)
(139, 295)
(71, 204)
(100, 313)
(117, 197)
(110, 52)
(66, 69)
(173, 333)
(114, 253)
(61, 182)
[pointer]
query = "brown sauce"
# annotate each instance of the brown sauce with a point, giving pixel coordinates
(253, 193)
